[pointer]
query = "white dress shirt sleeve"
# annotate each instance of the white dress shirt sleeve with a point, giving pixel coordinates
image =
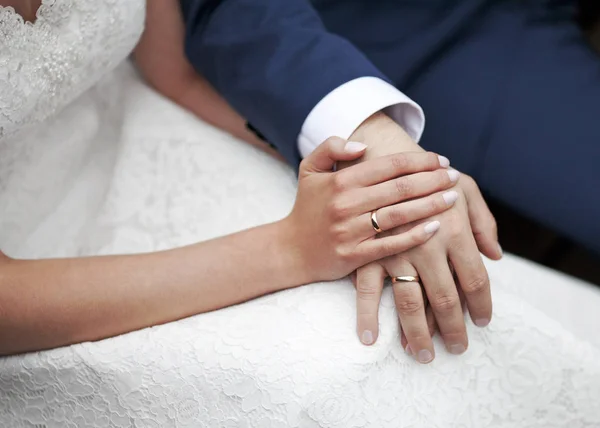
(342, 111)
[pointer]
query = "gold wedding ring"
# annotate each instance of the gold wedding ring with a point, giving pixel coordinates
(374, 222)
(406, 278)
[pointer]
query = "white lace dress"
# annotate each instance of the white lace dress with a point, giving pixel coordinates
(94, 162)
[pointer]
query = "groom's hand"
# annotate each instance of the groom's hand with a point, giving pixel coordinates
(465, 228)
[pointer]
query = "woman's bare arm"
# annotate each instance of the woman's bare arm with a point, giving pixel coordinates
(49, 303)
(161, 59)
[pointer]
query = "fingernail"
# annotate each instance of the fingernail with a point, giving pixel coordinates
(450, 197)
(424, 356)
(444, 161)
(457, 349)
(367, 337)
(482, 322)
(432, 226)
(408, 350)
(354, 147)
(453, 174)
(500, 250)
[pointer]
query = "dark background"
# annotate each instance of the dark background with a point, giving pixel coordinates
(524, 237)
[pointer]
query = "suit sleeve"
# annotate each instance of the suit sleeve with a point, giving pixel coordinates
(273, 61)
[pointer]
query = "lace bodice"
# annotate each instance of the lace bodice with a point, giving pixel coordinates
(54, 104)
(47, 64)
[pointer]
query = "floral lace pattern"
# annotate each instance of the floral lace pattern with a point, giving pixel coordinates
(108, 166)
(46, 64)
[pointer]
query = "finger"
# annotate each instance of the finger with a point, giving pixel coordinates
(431, 323)
(429, 315)
(369, 284)
(333, 150)
(411, 311)
(461, 295)
(396, 165)
(473, 280)
(376, 249)
(403, 213)
(403, 189)
(404, 341)
(445, 303)
(483, 223)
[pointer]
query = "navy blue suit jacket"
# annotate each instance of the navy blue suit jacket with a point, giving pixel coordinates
(273, 60)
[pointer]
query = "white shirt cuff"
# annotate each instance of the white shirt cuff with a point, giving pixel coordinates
(342, 111)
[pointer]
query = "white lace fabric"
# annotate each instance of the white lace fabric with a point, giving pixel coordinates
(46, 64)
(94, 162)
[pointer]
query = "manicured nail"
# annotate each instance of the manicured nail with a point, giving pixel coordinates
(444, 161)
(367, 337)
(354, 147)
(432, 227)
(482, 322)
(450, 197)
(453, 174)
(424, 356)
(408, 350)
(500, 250)
(457, 349)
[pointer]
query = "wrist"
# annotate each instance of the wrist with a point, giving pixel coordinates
(289, 252)
(383, 136)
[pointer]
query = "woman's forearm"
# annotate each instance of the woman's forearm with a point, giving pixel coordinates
(50, 303)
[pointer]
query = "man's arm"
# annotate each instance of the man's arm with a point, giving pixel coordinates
(294, 81)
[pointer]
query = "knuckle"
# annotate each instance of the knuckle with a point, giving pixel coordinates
(445, 303)
(386, 248)
(397, 216)
(477, 285)
(417, 237)
(339, 209)
(403, 187)
(409, 306)
(434, 205)
(339, 233)
(339, 182)
(400, 162)
(367, 291)
(344, 253)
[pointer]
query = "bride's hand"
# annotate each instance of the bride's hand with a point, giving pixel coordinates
(330, 226)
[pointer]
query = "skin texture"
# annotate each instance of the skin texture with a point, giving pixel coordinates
(468, 227)
(50, 303)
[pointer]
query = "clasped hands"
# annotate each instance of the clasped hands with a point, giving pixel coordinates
(434, 223)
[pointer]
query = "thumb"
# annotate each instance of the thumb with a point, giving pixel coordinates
(333, 150)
